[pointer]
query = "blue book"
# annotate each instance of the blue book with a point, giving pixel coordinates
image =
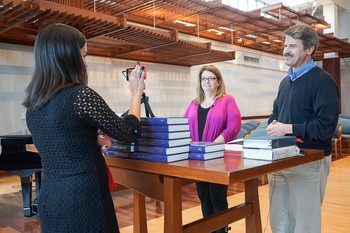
(166, 135)
(162, 143)
(163, 120)
(163, 150)
(122, 148)
(165, 128)
(206, 156)
(206, 146)
(159, 158)
(269, 142)
(117, 154)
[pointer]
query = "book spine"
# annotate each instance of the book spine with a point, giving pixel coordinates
(152, 142)
(149, 157)
(197, 149)
(196, 156)
(158, 135)
(153, 150)
(117, 154)
(153, 120)
(162, 143)
(270, 144)
(125, 148)
(285, 153)
(165, 128)
(163, 120)
(157, 128)
(277, 143)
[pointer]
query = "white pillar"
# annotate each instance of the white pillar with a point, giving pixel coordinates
(330, 12)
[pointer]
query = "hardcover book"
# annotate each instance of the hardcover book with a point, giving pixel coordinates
(162, 143)
(233, 147)
(122, 147)
(163, 120)
(269, 142)
(271, 154)
(163, 150)
(167, 135)
(206, 156)
(165, 128)
(206, 146)
(117, 154)
(159, 158)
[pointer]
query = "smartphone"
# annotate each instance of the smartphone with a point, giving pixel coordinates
(128, 71)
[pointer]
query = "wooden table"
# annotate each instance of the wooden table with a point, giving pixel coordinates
(163, 181)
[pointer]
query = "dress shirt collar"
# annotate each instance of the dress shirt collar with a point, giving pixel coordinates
(302, 70)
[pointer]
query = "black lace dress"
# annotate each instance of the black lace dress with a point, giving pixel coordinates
(74, 195)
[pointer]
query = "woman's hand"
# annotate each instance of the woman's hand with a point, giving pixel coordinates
(136, 86)
(136, 80)
(104, 141)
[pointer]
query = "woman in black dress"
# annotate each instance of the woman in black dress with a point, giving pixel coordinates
(63, 116)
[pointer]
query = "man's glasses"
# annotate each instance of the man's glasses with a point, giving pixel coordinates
(211, 79)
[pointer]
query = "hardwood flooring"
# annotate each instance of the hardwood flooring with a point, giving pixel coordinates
(335, 211)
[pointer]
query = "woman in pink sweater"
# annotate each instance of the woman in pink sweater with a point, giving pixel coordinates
(213, 117)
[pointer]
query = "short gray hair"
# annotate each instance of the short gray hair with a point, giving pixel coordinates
(305, 33)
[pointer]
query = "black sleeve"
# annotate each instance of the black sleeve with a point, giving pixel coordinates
(90, 106)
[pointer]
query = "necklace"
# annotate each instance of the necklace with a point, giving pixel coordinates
(207, 103)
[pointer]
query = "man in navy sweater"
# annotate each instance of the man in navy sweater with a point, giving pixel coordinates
(306, 106)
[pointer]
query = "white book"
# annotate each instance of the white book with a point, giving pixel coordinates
(233, 147)
(270, 154)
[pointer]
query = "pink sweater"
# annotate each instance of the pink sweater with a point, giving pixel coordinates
(223, 118)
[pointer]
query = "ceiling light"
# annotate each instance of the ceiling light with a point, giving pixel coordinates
(185, 23)
(216, 31)
(319, 26)
(251, 36)
(266, 42)
(228, 29)
(277, 41)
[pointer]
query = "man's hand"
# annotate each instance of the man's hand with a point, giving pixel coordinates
(276, 128)
(104, 141)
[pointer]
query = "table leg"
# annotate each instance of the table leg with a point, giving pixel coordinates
(253, 222)
(140, 217)
(172, 205)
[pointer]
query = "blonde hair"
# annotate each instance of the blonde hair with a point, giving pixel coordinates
(221, 88)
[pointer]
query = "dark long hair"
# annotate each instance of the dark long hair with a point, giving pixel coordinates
(58, 64)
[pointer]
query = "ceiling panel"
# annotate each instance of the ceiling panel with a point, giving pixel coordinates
(149, 30)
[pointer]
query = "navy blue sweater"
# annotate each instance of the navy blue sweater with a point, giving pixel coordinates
(311, 105)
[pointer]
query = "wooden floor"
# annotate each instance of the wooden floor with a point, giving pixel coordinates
(335, 211)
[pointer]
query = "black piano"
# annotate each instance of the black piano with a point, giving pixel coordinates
(14, 158)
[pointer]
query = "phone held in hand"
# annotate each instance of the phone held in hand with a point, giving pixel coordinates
(127, 72)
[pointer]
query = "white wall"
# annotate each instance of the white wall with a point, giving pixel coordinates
(170, 88)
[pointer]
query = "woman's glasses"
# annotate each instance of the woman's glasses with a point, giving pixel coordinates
(211, 79)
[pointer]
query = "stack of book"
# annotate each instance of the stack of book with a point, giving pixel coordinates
(270, 147)
(163, 139)
(206, 150)
(120, 149)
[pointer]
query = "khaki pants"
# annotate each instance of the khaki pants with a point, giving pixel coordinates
(296, 196)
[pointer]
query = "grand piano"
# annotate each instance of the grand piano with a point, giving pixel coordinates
(14, 158)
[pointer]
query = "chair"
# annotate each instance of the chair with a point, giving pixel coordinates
(337, 141)
(345, 121)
